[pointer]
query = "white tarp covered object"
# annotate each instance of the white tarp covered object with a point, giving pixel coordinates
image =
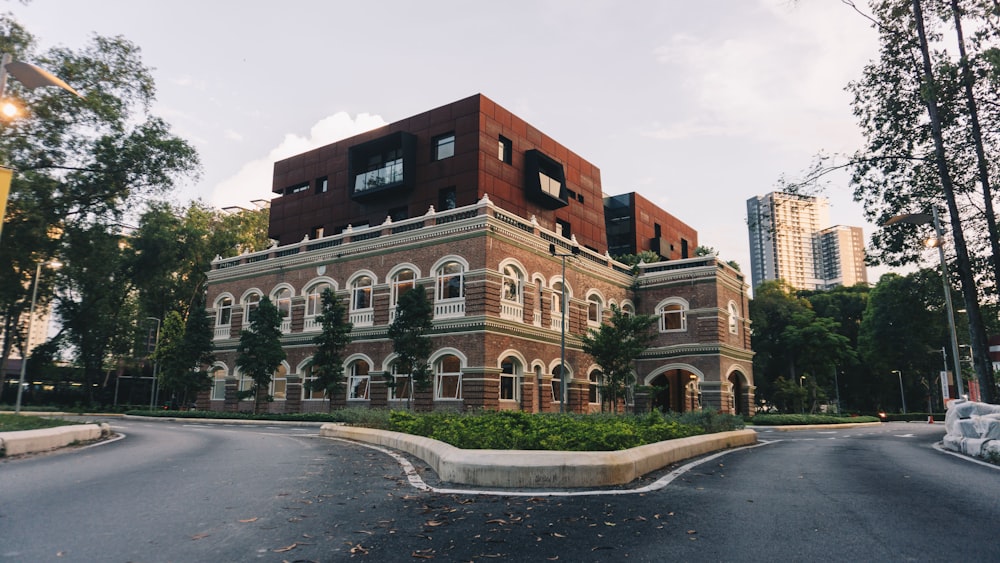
(972, 428)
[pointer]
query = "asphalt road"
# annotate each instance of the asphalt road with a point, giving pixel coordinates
(173, 492)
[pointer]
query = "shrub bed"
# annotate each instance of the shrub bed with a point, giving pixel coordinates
(13, 422)
(800, 419)
(514, 430)
(372, 418)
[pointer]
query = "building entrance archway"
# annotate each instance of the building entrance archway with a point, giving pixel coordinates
(675, 390)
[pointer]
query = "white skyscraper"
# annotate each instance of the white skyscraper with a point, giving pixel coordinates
(791, 239)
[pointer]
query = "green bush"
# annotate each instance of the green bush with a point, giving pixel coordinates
(514, 430)
(355, 416)
(13, 422)
(800, 419)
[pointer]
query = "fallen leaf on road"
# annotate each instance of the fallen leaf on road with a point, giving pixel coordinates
(286, 548)
(199, 536)
(497, 521)
(610, 524)
(433, 523)
(60, 553)
(359, 549)
(423, 554)
(692, 532)
(248, 520)
(558, 535)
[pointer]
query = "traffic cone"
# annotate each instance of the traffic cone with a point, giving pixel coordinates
(930, 419)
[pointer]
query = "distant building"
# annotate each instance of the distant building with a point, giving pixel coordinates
(465, 202)
(791, 239)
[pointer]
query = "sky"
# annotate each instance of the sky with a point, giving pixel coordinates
(698, 106)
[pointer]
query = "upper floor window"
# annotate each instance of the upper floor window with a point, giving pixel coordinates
(224, 312)
(283, 301)
(250, 303)
(322, 185)
(595, 309)
(505, 149)
(402, 282)
(444, 146)
(673, 315)
(361, 293)
(513, 284)
(447, 199)
(314, 305)
(450, 282)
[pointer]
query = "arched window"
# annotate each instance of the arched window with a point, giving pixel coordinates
(673, 315)
(448, 378)
(595, 309)
(450, 282)
(361, 301)
(283, 301)
(510, 379)
(279, 383)
(734, 314)
(314, 305)
(218, 382)
(594, 387)
(358, 381)
(401, 282)
(513, 284)
(557, 377)
(250, 303)
(308, 379)
(449, 290)
(223, 317)
(627, 309)
(401, 389)
(557, 300)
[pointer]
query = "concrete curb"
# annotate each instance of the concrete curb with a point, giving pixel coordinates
(542, 469)
(22, 442)
(222, 421)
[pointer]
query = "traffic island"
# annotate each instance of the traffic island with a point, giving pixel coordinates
(542, 469)
(22, 442)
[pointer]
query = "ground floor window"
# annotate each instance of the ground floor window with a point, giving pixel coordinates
(401, 388)
(358, 381)
(448, 378)
(510, 380)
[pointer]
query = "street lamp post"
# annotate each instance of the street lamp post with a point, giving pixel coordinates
(938, 241)
(901, 395)
(156, 363)
(563, 383)
(27, 339)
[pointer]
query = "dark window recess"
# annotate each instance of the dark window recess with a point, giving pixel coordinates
(505, 149)
(684, 249)
(447, 199)
(565, 228)
(544, 180)
(444, 146)
(322, 185)
(382, 167)
(657, 230)
(572, 194)
(297, 188)
(579, 197)
(398, 213)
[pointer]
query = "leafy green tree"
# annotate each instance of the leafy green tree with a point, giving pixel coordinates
(903, 329)
(184, 352)
(615, 347)
(82, 163)
(328, 361)
(818, 350)
(259, 352)
(409, 333)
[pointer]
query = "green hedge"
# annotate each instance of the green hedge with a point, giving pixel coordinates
(514, 430)
(799, 419)
(13, 422)
(372, 418)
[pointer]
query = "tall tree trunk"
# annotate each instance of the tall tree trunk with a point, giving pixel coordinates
(968, 81)
(977, 333)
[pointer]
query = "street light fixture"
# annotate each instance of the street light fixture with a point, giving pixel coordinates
(938, 242)
(563, 383)
(27, 339)
(901, 395)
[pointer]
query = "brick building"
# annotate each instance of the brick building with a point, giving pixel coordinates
(467, 201)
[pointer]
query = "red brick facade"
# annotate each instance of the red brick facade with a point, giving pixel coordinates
(497, 324)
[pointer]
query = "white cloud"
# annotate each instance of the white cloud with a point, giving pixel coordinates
(253, 181)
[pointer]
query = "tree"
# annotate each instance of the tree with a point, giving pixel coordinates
(328, 361)
(903, 329)
(81, 165)
(615, 347)
(259, 352)
(409, 333)
(184, 350)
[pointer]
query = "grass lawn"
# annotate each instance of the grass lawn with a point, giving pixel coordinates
(11, 422)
